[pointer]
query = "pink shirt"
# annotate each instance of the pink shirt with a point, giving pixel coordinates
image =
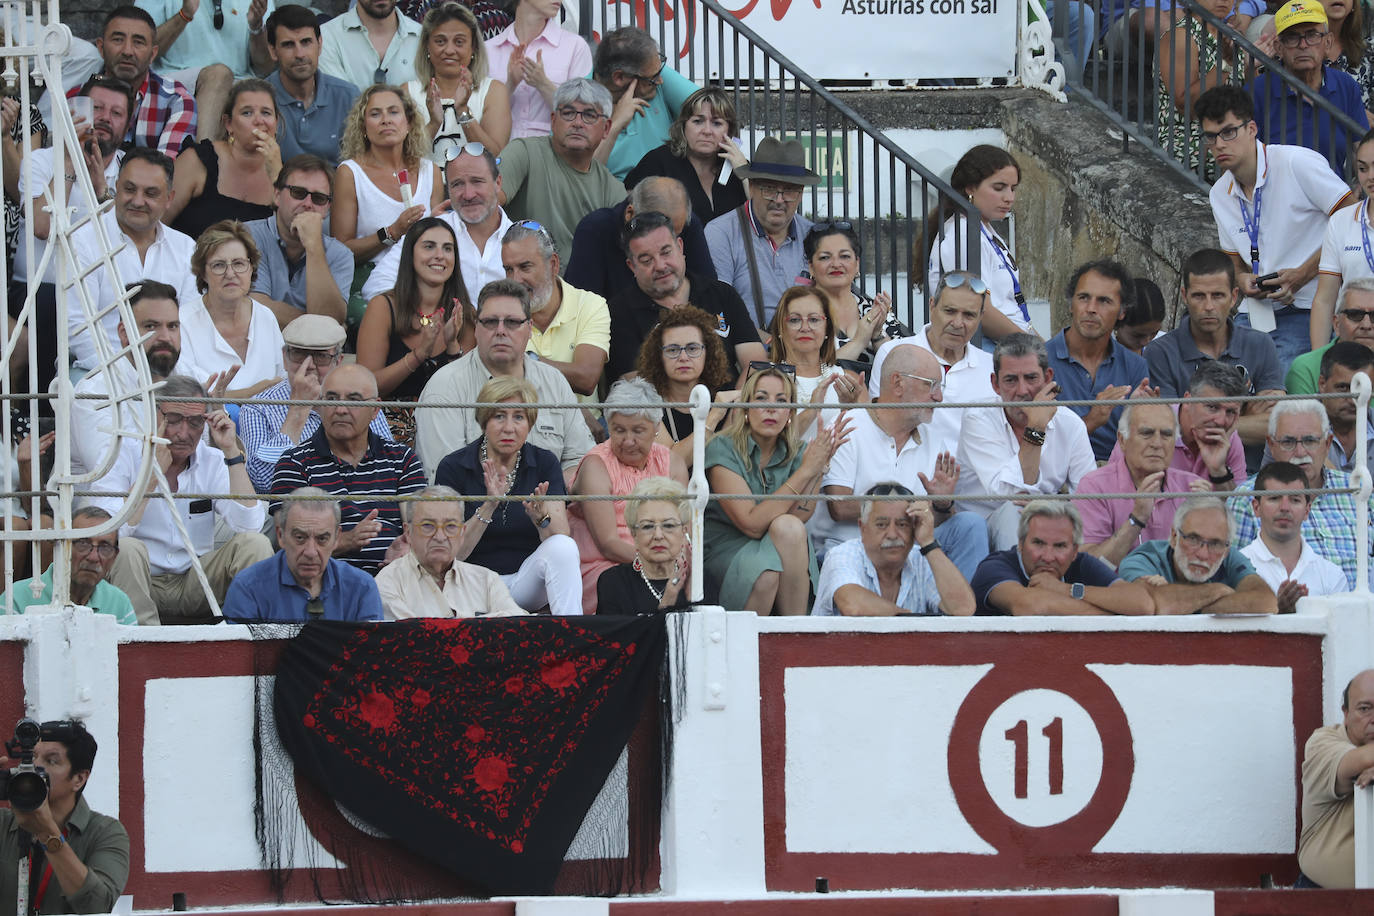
(1102, 517)
(1185, 460)
(564, 56)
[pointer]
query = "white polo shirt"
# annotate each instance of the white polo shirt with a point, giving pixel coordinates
(1299, 194)
(967, 379)
(869, 456)
(1343, 246)
(1320, 575)
(989, 459)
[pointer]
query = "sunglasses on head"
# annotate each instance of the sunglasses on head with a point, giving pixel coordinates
(450, 149)
(956, 280)
(762, 365)
(843, 225)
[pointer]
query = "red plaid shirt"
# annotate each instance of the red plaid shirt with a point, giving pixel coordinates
(166, 115)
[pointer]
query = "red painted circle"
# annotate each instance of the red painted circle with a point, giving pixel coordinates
(1079, 833)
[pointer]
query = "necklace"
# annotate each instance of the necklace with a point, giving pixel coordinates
(510, 476)
(639, 568)
(426, 316)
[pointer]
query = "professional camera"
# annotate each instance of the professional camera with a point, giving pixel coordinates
(25, 786)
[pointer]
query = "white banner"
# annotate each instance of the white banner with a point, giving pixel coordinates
(840, 39)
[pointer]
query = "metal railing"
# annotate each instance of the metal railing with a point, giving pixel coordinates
(1135, 74)
(866, 177)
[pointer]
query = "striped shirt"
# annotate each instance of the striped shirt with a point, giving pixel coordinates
(1330, 524)
(263, 441)
(387, 470)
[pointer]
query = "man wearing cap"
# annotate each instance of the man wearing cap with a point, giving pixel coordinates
(757, 248)
(314, 344)
(1271, 209)
(1282, 114)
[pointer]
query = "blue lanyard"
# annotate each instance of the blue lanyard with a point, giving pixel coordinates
(1252, 230)
(1364, 234)
(1015, 281)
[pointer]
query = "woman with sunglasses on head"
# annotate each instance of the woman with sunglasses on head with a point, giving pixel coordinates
(534, 54)
(613, 468)
(457, 99)
(803, 339)
(861, 323)
(683, 351)
(383, 140)
(987, 176)
(411, 331)
(699, 147)
(759, 551)
(233, 178)
(658, 579)
(1347, 248)
(227, 330)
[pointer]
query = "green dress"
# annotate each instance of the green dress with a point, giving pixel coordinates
(733, 559)
(1179, 138)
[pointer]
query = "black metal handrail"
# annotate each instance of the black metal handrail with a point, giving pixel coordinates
(1120, 81)
(891, 189)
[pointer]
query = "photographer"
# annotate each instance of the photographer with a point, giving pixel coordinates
(78, 859)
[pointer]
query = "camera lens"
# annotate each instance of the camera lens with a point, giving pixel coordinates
(27, 791)
(27, 732)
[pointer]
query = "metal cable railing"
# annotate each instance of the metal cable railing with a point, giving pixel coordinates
(1148, 87)
(866, 177)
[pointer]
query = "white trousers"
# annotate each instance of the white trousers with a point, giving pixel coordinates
(551, 575)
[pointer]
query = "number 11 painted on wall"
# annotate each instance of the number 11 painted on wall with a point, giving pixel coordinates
(1019, 735)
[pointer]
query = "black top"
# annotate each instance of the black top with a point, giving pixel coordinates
(414, 384)
(634, 315)
(211, 206)
(511, 537)
(662, 161)
(597, 263)
(621, 590)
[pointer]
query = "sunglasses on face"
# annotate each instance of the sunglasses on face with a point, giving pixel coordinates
(318, 198)
(1357, 316)
(510, 324)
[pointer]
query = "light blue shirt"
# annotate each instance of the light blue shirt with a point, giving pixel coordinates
(848, 564)
(316, 129)
(105, 599)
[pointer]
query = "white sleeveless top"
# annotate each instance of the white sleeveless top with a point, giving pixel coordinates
(375, 207)
(476, 103)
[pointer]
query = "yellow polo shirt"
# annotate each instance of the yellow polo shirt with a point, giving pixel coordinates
(583, 318)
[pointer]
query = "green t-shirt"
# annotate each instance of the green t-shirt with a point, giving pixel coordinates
(106, 599)
(541, 187)
(1302, 375)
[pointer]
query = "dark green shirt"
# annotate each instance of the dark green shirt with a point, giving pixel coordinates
(100, 842)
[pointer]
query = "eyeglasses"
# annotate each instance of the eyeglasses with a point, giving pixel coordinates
(452, 149)
(811, 321)
(430, 528)
(1357, 316)
(777, 192)
(1197, 541)
(194, 421)
(1227, 134)
(510, 324)
(693, 350)
(1288, 443)
(318, 357)
(588, 115)
(318, 198)
(1294, 39)
(935, 384)
(955, 280)
(221, 268)
(668, 527)
(763, 365)
(83, 546)
(658, 74)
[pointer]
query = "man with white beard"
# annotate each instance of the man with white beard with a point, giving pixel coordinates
(1197, 570)
(571, 328)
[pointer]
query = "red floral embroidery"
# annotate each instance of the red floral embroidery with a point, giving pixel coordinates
(420, 698)
(558, 674)
(378, 711)
(459, 655)
(475, 733)
(515, 684)
(491, 773)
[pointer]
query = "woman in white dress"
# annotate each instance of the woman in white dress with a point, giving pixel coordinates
(988, 176)
(459, 102)
(383, 139)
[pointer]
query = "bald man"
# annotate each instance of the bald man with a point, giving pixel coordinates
(896, 444)
(362, 470)
(1337, 759)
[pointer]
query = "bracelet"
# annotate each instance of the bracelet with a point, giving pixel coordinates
(184, 17)
(485, 521)
(1229, 476)
(1034, 436)
(230, 462)
(947, 507)
(1135, 521)
(792, 488)
(933, 545)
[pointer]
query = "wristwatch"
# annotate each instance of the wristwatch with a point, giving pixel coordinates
(1034, 436)
(385, 238)
(1077, 590)
(545, 521)
(54, 844)
(466, 118)
(230, 462)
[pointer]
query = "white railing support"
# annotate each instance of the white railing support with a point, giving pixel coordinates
(1360, 388)
(698, 490)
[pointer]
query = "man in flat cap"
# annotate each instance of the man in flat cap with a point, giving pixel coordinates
(313, 348)
(762, 239)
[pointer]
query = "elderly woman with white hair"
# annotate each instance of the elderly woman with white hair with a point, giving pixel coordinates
(628, 456)
(659, 577)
